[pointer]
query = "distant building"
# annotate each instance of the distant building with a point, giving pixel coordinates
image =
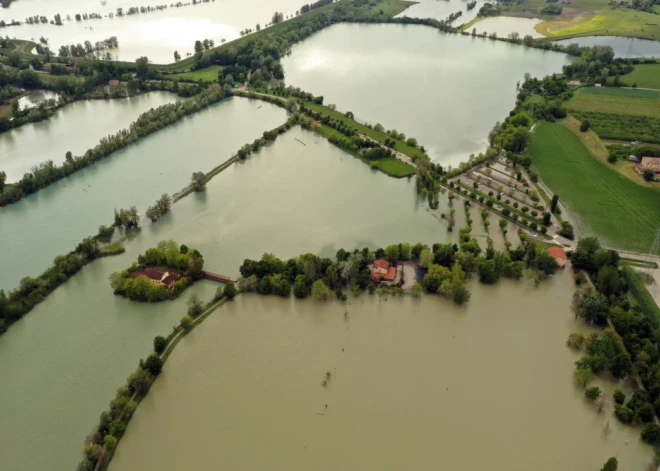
(113, 83)
(559, 255)
(633, 158)
(383, 271)
(574, 83)
(652, 163)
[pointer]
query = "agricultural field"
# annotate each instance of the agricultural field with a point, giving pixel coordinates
(622, 127)
(609, 22)
(644, 75)
(209, 74)
(625, 215)
(616, 100)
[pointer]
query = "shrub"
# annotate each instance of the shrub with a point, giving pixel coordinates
(575, 341)
(186, 323)
(153, 364)
(592, 393)
(623, 413)
(585, 125)
(160, 343)
(229, 291)
(619, 397)
(651, 433)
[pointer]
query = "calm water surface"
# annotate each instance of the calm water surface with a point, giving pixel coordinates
(623, 47)
(157, 34)
(76, 127)
(416, 384)
(503, 26)
(68, 355)
(440, 88)
(52, 221)
(441, 9)
(33, 98)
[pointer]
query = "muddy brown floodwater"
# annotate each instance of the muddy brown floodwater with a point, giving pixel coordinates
(414, 384)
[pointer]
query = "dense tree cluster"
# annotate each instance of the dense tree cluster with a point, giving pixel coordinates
(147, 123)
(160, 208)
(167, 256)
(632, 348)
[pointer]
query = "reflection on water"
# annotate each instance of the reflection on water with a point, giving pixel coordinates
(156, 34)
(623, 47)
(440, 88)
(503, 26)
(55, 219)
(415, 384)
(33, 99)
(76, 127)
(441, 9)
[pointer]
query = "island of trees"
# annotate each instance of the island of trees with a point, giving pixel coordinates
(161, 273)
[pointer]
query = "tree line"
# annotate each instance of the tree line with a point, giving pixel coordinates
(31, 291)
(147, 123)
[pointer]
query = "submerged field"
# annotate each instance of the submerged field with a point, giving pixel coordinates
(414, 384)
(623, 214)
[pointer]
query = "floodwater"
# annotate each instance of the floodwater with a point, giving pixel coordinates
(68, 355)
(415, 384)
(76, 127)
(55, 219)
(439, 88)
(441, 9)
(33, 98)
(145, 34)
(623, 47)
(503, 26)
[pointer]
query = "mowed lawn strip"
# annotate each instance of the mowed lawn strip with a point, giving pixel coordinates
(209, 74)
(624, 214)
(362, 129)
(624, 92)
(588, 100)
(644, 75)
(390, 165)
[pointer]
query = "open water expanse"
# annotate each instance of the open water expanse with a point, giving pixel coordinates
(76, 127)
(156, 34)
(623, 47)
(446, 90)
(415, 384)
(54, 220)
(67, 357)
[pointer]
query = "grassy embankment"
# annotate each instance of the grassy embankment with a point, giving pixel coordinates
(391, 165)
(623, 213)
(640, 295)
(619, 114)
(644, 75)
(209, 74)
(610, 21)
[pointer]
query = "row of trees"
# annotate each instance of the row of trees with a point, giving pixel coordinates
(147, 123)
(31, 291)
(88, 48)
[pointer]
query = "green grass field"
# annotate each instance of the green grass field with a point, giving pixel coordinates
(390, 165)
(644, 75)
(209, 74)
(624, 92)
(362, 129)
(609, 22)
(632, 102)
(624, 215)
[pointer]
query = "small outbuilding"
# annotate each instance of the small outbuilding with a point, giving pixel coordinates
(559, 255)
